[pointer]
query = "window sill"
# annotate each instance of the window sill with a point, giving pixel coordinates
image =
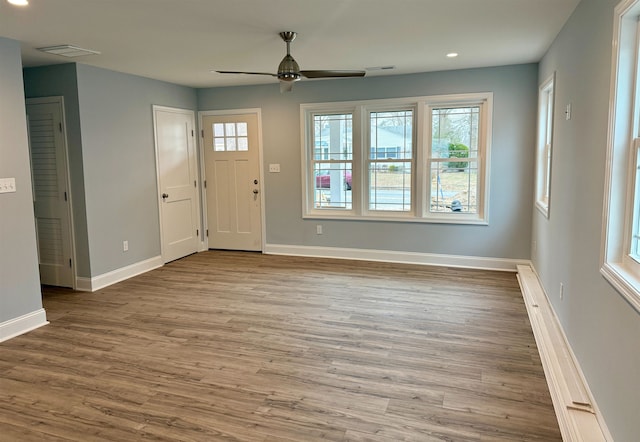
(449, 219)
(626, 283)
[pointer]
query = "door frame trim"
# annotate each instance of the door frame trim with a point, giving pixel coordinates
(192, 113)
(258, 113)
(59, 99)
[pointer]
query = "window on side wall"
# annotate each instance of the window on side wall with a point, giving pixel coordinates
(544, 145)
(621, 248)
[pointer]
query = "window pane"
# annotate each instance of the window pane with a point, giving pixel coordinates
(454, 189)
(390, 186)
(454, 183)
(455, 132)
(242, 129)
(243, 143)
(332, 185)
(635, 233)
(218, 129)
(218, 144)
(390, 178)
(231, 144)
(391, 135)
(332, 135)
(230, 129)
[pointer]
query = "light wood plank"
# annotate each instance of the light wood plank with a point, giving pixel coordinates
(249, 347)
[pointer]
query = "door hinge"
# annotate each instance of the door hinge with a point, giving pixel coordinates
(205, 184)
(202, 133)
(195, 184)
(197, 232)
(69, 262)
(207, 233)
(192, 133)
(60, 126)
(65, 195)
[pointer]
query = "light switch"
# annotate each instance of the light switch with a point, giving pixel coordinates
(7, 185)
(274, 168)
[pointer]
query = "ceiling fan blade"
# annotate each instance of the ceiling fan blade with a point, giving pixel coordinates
(248, 73)
(286, 86)
(330, 74)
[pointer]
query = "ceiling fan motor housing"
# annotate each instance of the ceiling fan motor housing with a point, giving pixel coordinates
(288, 70)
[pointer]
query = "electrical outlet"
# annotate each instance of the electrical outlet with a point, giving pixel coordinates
(319, 229)
(125, 246)
(561, 291)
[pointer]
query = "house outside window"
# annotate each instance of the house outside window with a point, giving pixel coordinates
(418, 159)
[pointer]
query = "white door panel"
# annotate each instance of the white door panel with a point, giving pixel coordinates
(232, 166)
(177, 181)
(47, 147)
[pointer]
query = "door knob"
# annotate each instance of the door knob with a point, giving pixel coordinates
(165, 196)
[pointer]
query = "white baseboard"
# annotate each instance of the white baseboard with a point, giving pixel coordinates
(473, 262)
(22, 324)
(110, 278)
(578, 416)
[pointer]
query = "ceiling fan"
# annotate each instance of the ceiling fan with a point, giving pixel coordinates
(289, 71)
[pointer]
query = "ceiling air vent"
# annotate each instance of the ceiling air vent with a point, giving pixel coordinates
(68, 51)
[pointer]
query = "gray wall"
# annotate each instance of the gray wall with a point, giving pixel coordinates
(119, 163)
(61, 80)
(19, 278)
(514, 117)
(602, 328)
(112, 159)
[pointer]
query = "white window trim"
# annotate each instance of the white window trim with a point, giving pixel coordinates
(616, 266)
(543, 150)
(421, 133)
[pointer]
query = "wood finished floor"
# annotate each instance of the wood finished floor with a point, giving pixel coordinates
(242, 346)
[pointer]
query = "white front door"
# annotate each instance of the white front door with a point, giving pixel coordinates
(232, 167)
(177, 181)
(51, 198)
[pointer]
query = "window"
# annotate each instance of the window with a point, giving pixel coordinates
(412, 159)
(229, 137)
(620, 251)
(332, 160)
(390, 163)
(544, 145)
(453, 160)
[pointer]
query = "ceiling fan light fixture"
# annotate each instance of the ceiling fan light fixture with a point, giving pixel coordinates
(18, 2)
(289, 71)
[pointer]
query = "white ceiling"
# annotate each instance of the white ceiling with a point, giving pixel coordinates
(181, 41)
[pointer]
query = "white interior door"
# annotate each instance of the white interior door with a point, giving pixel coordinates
(232, 167)
(177, 181)
(51, 198)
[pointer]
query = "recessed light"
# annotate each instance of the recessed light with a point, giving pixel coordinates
(452, 54)
(68, 51)
(19, 2)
